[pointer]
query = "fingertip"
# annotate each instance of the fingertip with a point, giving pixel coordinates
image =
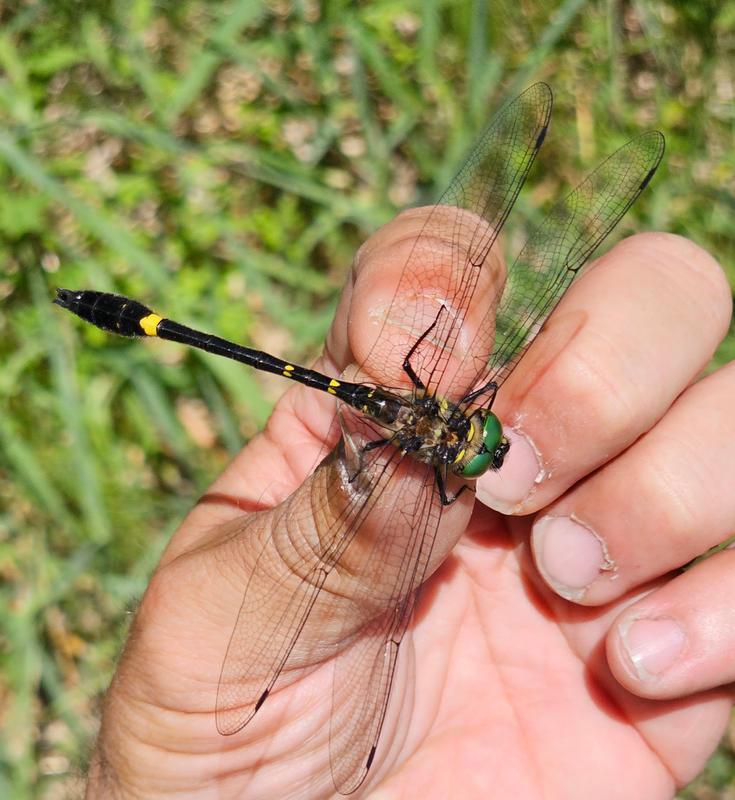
(409, 273)
(374, 280)
(569, 555)
(507, 489)
(644, 651)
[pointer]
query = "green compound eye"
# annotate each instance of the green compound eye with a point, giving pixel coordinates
(494, 448)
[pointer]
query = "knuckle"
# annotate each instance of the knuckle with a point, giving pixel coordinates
(672, 492)
(605, 406)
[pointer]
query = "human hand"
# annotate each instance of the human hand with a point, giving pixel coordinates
(513, 695)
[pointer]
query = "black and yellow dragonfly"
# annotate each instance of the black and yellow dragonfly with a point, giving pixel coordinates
(400, 448)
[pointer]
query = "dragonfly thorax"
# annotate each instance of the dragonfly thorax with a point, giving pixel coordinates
(437, 432)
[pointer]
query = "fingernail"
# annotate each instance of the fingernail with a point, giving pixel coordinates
(505, 489)
(569, 555)
(652, 645)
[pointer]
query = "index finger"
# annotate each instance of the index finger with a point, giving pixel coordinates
(625, 341)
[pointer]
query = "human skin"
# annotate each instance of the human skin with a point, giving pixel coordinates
(558, 651)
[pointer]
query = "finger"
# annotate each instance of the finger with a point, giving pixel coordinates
(664, 501)
(680, 638)
(659, 722)
(624, 342)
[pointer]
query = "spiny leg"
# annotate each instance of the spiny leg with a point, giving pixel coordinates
(408, 369)
(490, 386)
(374, 445)
(441, 484)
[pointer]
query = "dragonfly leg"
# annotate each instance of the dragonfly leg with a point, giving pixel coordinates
(408, 369)
(490, 386)
(374, 445)
(441, 485)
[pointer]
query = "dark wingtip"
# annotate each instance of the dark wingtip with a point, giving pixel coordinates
(261, 700)
(648, 178)
(370, 758)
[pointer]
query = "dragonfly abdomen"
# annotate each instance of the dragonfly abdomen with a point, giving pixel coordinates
(126, 317)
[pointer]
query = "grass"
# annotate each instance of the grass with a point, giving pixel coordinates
(223, 161)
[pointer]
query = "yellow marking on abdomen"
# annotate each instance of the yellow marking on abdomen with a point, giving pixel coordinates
(288, 371)
(149, 324)
(332, 384)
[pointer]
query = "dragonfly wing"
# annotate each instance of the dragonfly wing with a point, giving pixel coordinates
(363, 673)
(448, 255)
(262, 650)
(288, 577)
(561, 244)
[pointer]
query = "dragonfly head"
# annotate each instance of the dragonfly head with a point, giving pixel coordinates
(486, 446)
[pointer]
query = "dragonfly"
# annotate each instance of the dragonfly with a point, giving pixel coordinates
(405, 452)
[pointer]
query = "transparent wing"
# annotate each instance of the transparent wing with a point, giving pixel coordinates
(451, 249)
(374, 512)
(557, 249)
(292, 570)
(363, 673)
(381, 538)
